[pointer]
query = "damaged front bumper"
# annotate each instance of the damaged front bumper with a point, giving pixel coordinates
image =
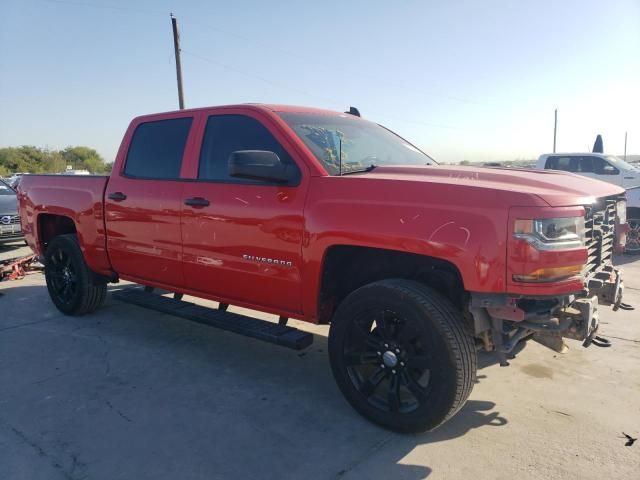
(502, 320)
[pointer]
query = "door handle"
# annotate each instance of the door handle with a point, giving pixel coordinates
(117, 196)
(197, 202)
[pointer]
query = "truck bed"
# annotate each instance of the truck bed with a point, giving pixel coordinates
(44, 199)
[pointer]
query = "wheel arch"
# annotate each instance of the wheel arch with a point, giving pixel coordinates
(51, 225)
(345, 268)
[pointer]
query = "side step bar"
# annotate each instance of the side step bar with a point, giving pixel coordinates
(285, 336)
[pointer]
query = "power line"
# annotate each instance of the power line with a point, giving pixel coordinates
(331, 101)
(263, 79)
(104, 6)
(351, 72)
(342, 68)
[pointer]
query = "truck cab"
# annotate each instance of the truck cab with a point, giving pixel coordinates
(599, 166)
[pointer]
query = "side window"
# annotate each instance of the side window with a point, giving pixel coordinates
(602, 167)
(586, 164)
(568, 164)
(156, 149)
(226, 134)
(552, 163)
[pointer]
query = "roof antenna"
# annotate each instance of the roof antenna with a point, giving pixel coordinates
(353, 111)
(340, 156)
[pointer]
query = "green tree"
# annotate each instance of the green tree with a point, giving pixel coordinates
(83, 158)
(22, 159)
(32, 159)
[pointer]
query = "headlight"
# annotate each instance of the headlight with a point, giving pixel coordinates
(551, 233)
(621, 212)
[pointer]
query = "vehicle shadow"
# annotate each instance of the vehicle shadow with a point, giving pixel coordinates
(13, 249)
(475, 414)
(160, 382)
(487, 359)
(7, 247)
(625, 259)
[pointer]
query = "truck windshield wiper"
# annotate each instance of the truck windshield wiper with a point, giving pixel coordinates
(362, 170)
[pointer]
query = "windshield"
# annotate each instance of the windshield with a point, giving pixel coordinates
(5, 189)
(618, 162)
(358, 142)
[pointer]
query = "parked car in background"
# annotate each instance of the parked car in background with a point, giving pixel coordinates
(76, 172)
(10, 230)
(14, 179)
(607, 168)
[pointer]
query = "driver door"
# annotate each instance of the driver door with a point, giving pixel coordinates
(242, 238)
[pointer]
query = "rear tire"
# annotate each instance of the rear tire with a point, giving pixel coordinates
(71, 285)
(400, 355)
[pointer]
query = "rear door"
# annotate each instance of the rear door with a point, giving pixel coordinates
(143, 202)
(242, 238)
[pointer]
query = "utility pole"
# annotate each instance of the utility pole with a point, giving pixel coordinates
(555, 129)
(176, 48)
(625, 146)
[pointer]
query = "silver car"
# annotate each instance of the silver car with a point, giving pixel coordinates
(10, 230)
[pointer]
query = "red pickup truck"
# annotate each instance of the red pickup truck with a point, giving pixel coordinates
(329, 218)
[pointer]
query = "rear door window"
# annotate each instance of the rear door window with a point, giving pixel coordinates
(157, 148)
(586, 164)
(568, 164)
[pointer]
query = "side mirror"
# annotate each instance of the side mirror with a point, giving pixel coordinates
(260, 165)
(609, 170)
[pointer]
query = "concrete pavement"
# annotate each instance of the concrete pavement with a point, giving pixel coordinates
(127, 393)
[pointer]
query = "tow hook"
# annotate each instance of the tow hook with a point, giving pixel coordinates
(618, 289)
(596, 340)
(623, 306)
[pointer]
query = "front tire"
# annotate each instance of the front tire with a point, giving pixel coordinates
(400, 355)
(71, 285)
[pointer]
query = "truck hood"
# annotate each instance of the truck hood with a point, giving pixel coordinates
(553, 187)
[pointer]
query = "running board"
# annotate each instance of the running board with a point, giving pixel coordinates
(285, 336)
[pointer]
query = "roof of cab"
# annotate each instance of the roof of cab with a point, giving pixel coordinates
(573, 154)
(256, 106)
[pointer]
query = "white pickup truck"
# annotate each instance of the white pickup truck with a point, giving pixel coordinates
(607, 168)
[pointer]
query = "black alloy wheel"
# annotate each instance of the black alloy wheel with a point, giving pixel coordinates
(388, 361)
(63, 275)
(633, 236)
(73, 288)
(400, 355)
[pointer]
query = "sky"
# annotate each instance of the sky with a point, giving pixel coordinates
(462, 80)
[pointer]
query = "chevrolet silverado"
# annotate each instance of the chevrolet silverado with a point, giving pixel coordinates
(329, 218)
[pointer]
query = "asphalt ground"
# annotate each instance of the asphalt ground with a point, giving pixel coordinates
(128, 393)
